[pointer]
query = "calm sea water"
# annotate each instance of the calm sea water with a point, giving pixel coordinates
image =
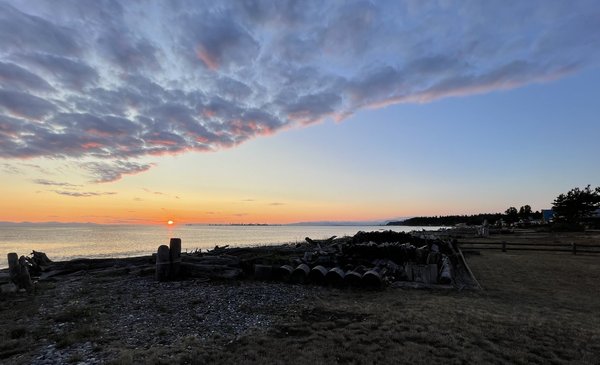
(67, 242)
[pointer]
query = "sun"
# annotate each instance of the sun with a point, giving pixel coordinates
(170, 222)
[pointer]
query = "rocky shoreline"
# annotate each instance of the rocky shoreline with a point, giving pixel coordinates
(99, 311)
(92, 320)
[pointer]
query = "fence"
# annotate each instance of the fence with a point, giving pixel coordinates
(573, 248)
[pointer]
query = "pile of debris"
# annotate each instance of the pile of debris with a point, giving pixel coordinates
(20, 271)
(367, 259)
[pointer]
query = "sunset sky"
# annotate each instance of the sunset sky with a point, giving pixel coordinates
(288, 111)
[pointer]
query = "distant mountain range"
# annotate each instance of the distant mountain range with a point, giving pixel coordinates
(4, 223)
(343, 223)
(309, 223)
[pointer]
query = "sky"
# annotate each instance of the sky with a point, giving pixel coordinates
(290, 111)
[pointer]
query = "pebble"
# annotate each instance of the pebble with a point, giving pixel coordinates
(139, 313)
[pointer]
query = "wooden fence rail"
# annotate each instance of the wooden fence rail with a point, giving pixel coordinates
(520, 246)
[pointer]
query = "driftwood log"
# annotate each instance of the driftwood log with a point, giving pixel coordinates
(18, 269)
(352, 278)
(24, 277)
(284, 273)
(174, 257)
(14, 268)
(318, 243)
(445, 273)
(263, 272)
(335, 277)
(213, 260)
(372, 278)
(190, 269)
(61, 268)
(317, 275)
(300, 274)
(163, 263)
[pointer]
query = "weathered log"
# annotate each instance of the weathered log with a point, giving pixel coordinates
(408, 271)
(163, 263)
(175, 257)
(263, 272)
(300, 274)
(189, 269)
(421, 255)
(219, 249)
(24, 277)
(14, 268)
(212, 260)
(40, 258)
(433, 258)
(335, 277)
(372, 279)
(119, 271)
(38, 261)
(422, 273)
(85, 265)
(445, 273)
(352, 278)
(284, 273)
(317, 275)
(318, 243)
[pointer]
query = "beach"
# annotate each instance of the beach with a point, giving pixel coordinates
(535, 307)
(70, 241)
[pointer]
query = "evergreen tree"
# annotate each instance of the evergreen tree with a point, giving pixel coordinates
(576, 204)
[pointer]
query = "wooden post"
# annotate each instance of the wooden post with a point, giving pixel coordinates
(175, 257)
(503, 246)
(574, 246)
(24, 277)
(445, 273)
(14, 267)
(19, 273)
(162, 263)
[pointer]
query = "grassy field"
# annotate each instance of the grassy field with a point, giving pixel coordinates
(536, 308)
(539, 308)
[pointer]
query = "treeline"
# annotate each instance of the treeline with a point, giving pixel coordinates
(448, 220)
(451, 220)
(575, 210)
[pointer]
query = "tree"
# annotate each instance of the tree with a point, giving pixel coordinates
(576, 204)
(512, 215)
(525, 212)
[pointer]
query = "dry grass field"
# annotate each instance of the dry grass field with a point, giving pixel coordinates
(541, 308)
(536, 308)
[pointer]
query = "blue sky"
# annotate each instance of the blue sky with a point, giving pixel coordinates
(283, 111)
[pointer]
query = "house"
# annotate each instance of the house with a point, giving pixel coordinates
(547, 215)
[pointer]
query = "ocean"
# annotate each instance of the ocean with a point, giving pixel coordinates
(65, 242)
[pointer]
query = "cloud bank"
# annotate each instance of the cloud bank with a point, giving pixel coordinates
(115, 82)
